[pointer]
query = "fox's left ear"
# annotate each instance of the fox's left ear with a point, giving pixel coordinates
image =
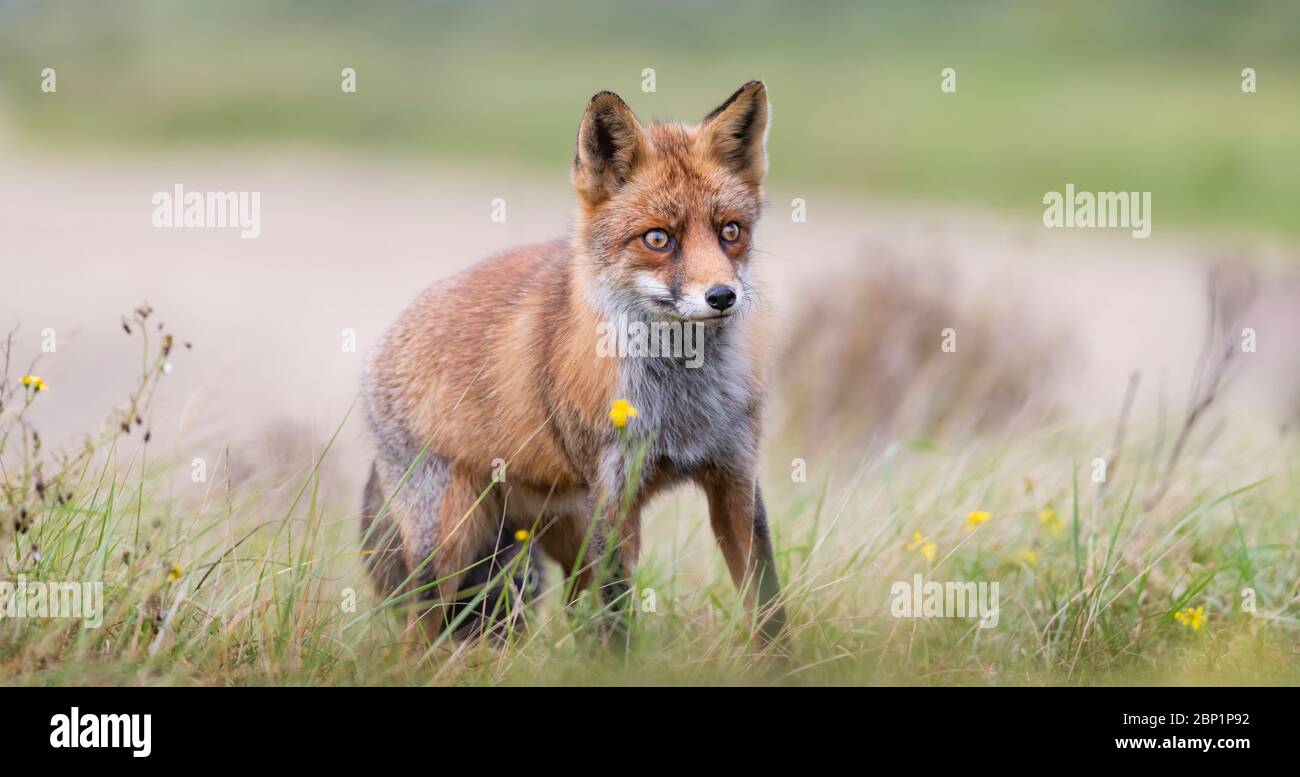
(736, 133)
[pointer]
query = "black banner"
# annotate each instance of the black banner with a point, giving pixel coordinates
(261, 727)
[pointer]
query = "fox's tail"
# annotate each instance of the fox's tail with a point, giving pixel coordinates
(381, 541)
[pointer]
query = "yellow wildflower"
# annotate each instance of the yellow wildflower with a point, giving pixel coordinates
(1192, 617)
(921, 542)
(1028, 556)
(620, 412)
(1048, 519)
(976, 518)
(34, 382)
(521, 535)
(174, 573)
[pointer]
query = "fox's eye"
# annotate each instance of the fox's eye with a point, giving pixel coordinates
(656, 239)
(731, 232)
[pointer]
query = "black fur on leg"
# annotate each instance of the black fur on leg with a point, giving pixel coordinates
(499, 611)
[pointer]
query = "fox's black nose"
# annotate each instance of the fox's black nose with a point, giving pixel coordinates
(720, 297)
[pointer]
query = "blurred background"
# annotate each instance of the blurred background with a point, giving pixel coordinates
(1107, 94)
(924, 209)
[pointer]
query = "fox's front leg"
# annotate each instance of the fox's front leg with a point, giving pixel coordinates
(615, 537)
(739, 520)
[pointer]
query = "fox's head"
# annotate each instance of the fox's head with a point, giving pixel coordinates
(666, 211)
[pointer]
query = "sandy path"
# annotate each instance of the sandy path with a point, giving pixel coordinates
(344, 245)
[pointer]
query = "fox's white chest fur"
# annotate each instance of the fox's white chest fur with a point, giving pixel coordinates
(694, 415)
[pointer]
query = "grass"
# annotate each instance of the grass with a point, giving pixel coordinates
(262, 583)
(1108, 96)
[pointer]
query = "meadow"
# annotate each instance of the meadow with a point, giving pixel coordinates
(1178, 568)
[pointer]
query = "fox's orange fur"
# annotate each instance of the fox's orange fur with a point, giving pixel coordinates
(501, 364)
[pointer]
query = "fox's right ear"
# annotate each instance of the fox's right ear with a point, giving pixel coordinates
(610, 145)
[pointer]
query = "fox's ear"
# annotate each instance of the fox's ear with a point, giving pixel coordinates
(736, 132)
(610, 145)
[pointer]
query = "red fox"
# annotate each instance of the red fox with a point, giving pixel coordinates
(503, 364)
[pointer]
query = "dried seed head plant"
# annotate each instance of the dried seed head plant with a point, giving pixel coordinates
(34, 480)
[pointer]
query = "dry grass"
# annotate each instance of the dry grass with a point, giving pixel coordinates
(870, 363)
(260, 580)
